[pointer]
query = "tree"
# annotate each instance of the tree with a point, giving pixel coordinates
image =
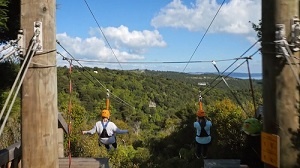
(227, 120)
(9, 20)
(3, 14)
(257, 28)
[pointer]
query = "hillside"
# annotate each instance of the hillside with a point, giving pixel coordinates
(138, 87)
(158, 109)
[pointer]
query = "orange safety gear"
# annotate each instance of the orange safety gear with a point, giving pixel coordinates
(105, 114)
(201, 113)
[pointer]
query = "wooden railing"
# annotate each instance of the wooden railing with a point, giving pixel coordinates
(11, 156)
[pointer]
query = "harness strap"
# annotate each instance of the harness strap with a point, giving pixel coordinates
(104, 126)
(202, 129)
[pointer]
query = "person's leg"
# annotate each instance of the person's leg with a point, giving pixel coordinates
(204, 150)
(198, 150)
(107, 147)
(115, 145)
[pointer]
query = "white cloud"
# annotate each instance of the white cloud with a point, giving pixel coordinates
(126, 45)
(135, 41)
(233, 17)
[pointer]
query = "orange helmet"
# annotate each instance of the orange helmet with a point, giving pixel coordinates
(105, 114)
(200, 113)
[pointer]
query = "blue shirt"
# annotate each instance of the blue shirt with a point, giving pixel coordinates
(203, 140)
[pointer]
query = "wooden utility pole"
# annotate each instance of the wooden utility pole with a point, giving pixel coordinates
(280, 86)
(39, 89)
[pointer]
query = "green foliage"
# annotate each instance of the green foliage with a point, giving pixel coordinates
(165, 133)
(3, 13)
(227, 120)
(11, 133)
(8, 73)
(160, 136)
(9, 20)
(257, 28)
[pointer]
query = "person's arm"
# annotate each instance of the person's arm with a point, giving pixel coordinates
(195, 124)
(92, 131)
(117, 130)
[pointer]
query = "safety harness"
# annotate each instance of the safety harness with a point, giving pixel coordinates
(203, 132)
(104, 131)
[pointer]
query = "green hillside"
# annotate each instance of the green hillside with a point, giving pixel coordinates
(160, 135)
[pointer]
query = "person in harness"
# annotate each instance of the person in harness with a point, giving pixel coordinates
(106, 131)
(251, 153)
(203, 138)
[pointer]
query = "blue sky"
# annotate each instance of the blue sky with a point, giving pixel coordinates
(147, 31)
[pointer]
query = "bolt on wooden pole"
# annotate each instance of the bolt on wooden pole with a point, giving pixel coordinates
(280, 87)
(39, 89)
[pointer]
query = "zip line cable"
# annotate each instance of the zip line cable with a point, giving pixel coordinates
(210, 88)
(102, 33)
(9, 54)
(115, 97)
(70, 113)
(239, 102)
(124, 102)
(243, 55)
(204, 35)
(231, 72)
(22, 72)
(251, 86)
(284, 46)
(236, 60)
(12, 43)
(157, 62)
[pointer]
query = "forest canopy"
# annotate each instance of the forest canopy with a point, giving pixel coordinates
(158, 108)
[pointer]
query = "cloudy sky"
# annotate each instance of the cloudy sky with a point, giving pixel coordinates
(167, 35)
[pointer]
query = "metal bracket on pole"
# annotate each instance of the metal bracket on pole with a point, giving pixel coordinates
(21, 43)
(295, 34)
(279, 37)
(38, 30)
(280, 32)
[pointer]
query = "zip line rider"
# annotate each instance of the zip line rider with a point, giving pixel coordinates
(106, 129)
(202, 126)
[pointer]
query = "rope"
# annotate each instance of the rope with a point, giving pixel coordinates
(220, 75)
(114, 96)
(215, 65)
(210, 88)
(102, 33)
(107, 100)
(70, 112)
(204, 34)
(8, 55)
(161, 62)
(287, 52)
(10, 44)
(16, 80)
(251, 86)
(22, 72)
(237, 60)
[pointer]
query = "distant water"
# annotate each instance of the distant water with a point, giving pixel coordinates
(246, 76)
(238, 75)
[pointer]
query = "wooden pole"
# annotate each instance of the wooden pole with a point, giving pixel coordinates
(280, 88)
(39, 89)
